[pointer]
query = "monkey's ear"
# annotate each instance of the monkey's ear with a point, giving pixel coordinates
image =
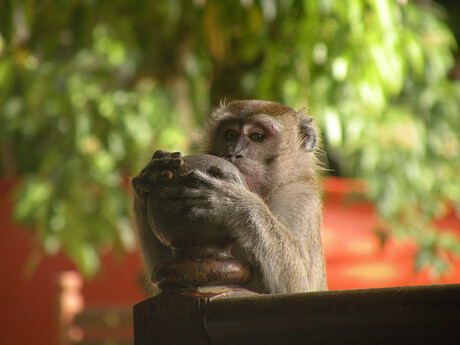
(307, 134)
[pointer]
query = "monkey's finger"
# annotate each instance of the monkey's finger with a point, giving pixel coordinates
(165, 154)
(176, 155)
(181, 193)
(193, 177)
(218, 173)
(215, 171)
(146, 181)
(170, 193)
(140, 187)
(163, 176)
(150, 177)
(164, 163)
(221, 175)
(182, 205)
(160, 154)
(195, 193)
(185, 206)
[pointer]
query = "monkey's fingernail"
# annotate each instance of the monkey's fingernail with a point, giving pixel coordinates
(188, 176)
(176, 154)
(158, 154)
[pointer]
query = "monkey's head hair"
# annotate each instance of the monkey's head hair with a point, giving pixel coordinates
(249, 108)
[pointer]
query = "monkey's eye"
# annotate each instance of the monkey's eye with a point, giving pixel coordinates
(230, 134)
(256, 137)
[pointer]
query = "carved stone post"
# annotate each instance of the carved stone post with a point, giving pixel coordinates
(201, 269)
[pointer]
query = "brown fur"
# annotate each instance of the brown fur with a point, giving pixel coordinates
(276, 223)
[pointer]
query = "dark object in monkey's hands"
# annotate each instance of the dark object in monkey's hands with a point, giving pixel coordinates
(201, 250)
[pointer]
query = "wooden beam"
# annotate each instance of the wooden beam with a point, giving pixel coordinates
(403, 315)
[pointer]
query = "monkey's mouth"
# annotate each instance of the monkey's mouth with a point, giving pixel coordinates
(249, 180)
(252, 182)
(247, 172)
(241, 166)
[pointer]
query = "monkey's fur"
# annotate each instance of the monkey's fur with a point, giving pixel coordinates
(276, 223)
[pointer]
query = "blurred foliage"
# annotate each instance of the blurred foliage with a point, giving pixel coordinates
(88, 89)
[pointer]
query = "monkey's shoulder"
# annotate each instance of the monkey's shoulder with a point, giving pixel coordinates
(292, 201)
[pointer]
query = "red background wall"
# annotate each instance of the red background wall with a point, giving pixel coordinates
(353, 255)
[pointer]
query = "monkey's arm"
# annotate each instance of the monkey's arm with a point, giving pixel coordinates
(298, 207)
(281, 253)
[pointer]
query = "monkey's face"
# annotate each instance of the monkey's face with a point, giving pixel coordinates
(268, 142)
(252, 145)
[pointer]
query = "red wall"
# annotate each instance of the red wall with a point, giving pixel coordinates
(28, 303)
(354, 260)
(354, 256)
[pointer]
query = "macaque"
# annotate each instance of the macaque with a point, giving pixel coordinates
(276, 221)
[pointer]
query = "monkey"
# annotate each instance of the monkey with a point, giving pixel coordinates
(276, 219)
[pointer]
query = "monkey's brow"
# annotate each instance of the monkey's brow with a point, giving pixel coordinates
(266, 121)
(229, 120)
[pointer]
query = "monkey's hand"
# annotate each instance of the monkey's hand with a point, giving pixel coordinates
(204, 195)
(160, 168)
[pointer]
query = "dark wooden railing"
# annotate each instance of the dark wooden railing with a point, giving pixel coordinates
(406, 315)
